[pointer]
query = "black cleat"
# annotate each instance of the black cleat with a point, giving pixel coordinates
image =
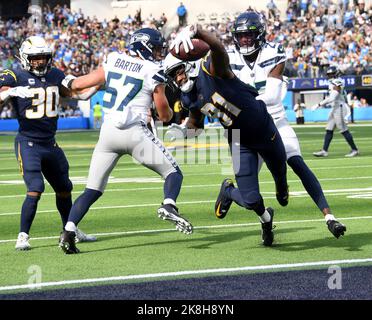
(336, 228)
(223, 203)
(67, 242)
(267, 230)
(170, 213)
(282, 196)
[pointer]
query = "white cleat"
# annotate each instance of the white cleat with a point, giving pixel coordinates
(353, 153)
(170, 213)
(82, 237)
(321, 153)
(22, 242)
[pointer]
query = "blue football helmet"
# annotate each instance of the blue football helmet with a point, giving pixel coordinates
(148, 44)
(252, 24)
(332, 72)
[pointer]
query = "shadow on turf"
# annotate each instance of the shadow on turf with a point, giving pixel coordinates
(208, 241)
(349, 242)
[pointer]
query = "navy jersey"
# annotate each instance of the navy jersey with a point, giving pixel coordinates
(37, 116)
(232, 102)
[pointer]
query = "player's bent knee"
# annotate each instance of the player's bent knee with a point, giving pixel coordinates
(34, 194)
(252, 200)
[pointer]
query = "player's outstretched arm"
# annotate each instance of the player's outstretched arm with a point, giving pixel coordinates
(85, 86)
(220, 60)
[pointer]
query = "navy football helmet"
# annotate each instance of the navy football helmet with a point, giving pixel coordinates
(252, 25)
(332, 72)
(148, 44)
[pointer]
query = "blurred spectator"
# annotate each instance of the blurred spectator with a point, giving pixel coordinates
(299, 108)
(182, 14)
(363, 103)
(97, 115)
(272, 9)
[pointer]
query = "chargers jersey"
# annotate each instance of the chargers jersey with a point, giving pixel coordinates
(256, 73)
(232, 102)
(130, 83)
(37, 116)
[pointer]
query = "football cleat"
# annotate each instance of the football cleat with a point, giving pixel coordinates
(82, 237)
(353, 153)
(170, 212)
(67, 242)
(282, 196)
(223, 203)
(267, 230)
(321, 153)
(336, 228)
(22, 242)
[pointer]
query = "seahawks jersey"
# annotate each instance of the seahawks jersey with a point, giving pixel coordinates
(336, 99)
(256, 73)
(130, 83)
(37, 116)
(232, 102)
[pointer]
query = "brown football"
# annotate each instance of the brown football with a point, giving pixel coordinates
(201, 48)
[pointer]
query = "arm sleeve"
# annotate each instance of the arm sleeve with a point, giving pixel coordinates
(331, 98)
(273, 92)
(8, 79)
(157, 78)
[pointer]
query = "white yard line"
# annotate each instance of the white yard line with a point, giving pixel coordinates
(222, 226)
(297, 194)
(188, 273)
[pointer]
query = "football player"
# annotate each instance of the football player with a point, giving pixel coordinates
(261, 64)
(218, 93)
(35, 91)
(133, 82)
(337, 99)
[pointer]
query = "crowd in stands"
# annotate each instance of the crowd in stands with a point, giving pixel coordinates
(315, 34)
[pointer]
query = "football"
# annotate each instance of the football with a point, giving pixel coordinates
(201, 48)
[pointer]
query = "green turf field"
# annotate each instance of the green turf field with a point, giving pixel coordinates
(134, 244)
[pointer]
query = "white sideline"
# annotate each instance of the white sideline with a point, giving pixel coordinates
(186, 272)
(236, 225)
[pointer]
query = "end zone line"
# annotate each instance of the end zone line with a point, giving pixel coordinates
(185, 273)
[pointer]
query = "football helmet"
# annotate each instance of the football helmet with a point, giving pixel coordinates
(332, 72)
(252, 24)
(148, 44)
(173, 67)
(36, 48)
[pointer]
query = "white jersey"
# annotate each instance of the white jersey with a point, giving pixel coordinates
(256, 73)
(336, 99)
(130, 83)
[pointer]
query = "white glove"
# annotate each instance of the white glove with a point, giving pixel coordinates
(176, 131)
(67, 81)
(20, 92)
(184, 37)
(314, 107)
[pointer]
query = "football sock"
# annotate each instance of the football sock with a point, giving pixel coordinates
(265, 217)
(169, 201)
(28, 213)
(64, 206)
(327, 139)
(309, 181)
(70, 226)
(349, 138)
(172, 185)
(82, 205)
(329, 217)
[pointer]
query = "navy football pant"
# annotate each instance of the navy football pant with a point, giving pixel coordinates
(245, 164)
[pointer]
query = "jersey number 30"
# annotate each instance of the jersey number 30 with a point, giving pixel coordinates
(44, 103)
(128, 90)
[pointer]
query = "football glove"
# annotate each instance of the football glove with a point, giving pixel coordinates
(176, 131)
(184, 37)
(314, 107)
(20, 92)
(67, 81)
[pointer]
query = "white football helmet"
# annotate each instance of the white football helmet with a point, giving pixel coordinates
(35, 47)
(171, 64)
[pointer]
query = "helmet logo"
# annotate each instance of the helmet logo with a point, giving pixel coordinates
(140, 37)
